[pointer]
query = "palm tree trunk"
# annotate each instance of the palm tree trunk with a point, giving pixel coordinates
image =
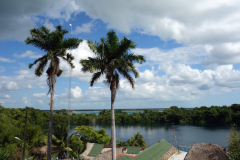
(113, 132)
(49, 150)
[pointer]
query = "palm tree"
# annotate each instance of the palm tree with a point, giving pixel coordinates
(112, 60)
(55, 46)
(137, 140)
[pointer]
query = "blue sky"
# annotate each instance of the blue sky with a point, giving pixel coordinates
(192, 50)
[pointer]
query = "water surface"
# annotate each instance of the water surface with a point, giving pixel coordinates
(154, 132)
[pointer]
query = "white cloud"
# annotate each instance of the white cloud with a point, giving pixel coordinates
(187, 24)
(49, 25)
(76, 92)
(18, 17)
(29, 86)
(40, 101)
(27, 54)
(26, 100)
(82, 52)
(40, 95)
(9, 86)
(42, 87)
(5, 96)
(185, 55)
(24, 78)
(6, 60)
(85, 28)
(224, 54)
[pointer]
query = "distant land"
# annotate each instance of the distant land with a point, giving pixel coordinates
(133, 109)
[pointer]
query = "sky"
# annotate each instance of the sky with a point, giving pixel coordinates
(192, 51)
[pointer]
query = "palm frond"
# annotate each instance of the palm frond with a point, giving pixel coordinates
(93, 46)
(69, 59)
(125, 73)
(95, 77)
(136, 58)
(71, 43)
(36, 61)
(112, 42)
(125, 45)
(40, 67)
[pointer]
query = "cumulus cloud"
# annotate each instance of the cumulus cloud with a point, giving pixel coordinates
(20, 17)
(27, 54)
(85, 28)
(187, 24)
(42, 87)
(185, 55)
(6, 60)
(29, 86)
(5, 96)
(76, 92)
(9, 86)
(224, 54)
(82, 52)
(24, 78)
(40, 101)
(40, 95)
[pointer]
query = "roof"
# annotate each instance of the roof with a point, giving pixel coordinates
(154, 152)
(96, 150)
(206, 151)
(133, 150)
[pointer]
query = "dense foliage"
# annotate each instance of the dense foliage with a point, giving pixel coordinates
(12, 122)
(213, 114)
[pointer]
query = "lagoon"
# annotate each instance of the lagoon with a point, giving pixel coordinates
(154, 132)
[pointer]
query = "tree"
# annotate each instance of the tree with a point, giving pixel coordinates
(234, 144)
(137, 140)
(55, 46)
(60, 138)
(112, 60)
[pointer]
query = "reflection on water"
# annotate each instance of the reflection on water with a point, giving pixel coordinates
(154, 132)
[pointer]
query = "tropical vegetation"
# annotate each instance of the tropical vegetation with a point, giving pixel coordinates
(112, 60)
(234, 144)
(55, 46)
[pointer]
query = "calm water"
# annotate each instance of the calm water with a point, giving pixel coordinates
(154, 132)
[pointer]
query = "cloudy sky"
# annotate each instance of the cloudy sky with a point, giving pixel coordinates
(192, 50)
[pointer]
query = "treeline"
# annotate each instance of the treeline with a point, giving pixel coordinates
(12, 124)
(213, 114)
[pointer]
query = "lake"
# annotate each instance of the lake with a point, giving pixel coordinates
(154, 132)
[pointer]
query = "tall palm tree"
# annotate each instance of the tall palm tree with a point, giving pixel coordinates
(55, 46)
(112, 60)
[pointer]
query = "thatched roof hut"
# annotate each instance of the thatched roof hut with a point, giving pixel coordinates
(206, 151)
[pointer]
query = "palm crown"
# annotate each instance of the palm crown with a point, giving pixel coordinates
(55, 45)
(112, 58)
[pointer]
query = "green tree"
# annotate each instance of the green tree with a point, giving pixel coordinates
(55, 46)
(234, 144)
(112, 60)
(137, 140)
(60, 138)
